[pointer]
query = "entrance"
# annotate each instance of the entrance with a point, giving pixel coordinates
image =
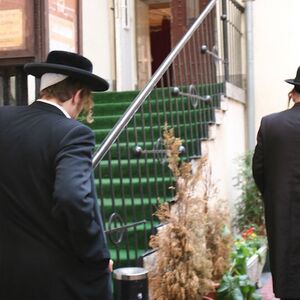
(160, 33)
(153, 37)
(160, 26)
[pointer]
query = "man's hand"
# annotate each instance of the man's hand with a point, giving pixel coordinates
(110, 265)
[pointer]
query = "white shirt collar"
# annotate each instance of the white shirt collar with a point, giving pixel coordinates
(56, 105)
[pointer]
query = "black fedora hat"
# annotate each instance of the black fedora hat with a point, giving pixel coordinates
(296, 80)
(70, 64)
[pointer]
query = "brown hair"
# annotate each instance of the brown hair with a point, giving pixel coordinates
(65, 89)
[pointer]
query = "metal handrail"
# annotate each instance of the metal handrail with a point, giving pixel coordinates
(144, 93)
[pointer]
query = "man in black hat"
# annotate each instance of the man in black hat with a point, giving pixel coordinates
(276, 170)
(52, 243)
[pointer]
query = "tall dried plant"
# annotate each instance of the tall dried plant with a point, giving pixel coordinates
(193, 247)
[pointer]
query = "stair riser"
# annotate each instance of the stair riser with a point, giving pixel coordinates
(148, 189)
(133, 214)
(137, 169)
(114, 97)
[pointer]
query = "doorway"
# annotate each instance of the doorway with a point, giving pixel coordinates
(153, 37)
(160, 33)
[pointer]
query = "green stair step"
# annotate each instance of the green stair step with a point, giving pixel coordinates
(133, 167)
(110, 109)
(154, 187)
(119, 202)
(114, 97)
(130, 209)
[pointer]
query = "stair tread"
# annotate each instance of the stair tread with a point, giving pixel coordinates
(128, 101)
(146, 114)
(131, 180)
(121, 201)
(153, 127)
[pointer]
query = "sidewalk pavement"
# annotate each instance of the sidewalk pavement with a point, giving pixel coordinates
(267, 287)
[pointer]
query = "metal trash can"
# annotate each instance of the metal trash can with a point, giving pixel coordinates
(130, 284)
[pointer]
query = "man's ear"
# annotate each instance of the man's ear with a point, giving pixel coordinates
(76, 99)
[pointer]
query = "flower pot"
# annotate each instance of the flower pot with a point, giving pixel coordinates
(255, 265)
(210, 296)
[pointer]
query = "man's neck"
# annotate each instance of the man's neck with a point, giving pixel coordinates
(60, 105)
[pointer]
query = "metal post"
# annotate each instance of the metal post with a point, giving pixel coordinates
(6, 89)
(225, 39)
(250, 75)
(131, 284)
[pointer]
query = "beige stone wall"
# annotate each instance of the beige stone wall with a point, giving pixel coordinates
(276, 52)
(97, 39)
(228, 142)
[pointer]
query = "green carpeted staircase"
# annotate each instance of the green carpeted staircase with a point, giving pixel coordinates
(131, 183)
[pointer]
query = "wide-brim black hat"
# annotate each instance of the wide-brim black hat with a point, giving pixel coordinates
(70, 64)
(296, 80)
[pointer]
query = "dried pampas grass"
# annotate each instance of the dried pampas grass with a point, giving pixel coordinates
(193, 246)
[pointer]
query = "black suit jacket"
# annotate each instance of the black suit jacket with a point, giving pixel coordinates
(52, 243)
(276, 170)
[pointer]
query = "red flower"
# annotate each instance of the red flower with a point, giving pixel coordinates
(248, 232)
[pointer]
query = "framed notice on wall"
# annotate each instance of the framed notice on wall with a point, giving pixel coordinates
(64, 20)
(16, 28)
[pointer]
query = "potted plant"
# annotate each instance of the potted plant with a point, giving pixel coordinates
(237, 287)
(256, 257)
(249, 207)
(193, 248)
(247, 259)
(250, 214)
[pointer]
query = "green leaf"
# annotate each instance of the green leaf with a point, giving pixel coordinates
(224, 287)
(237, 294)
(256, 296)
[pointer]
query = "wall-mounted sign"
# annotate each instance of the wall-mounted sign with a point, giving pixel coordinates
(29, 29)
(63, 25)
(16, 28)
(12, 31)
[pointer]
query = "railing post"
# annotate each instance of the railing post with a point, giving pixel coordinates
(224, 18)
(250, 75)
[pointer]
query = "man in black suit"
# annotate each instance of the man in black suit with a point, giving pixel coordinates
(276, 170)
(52, 243)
